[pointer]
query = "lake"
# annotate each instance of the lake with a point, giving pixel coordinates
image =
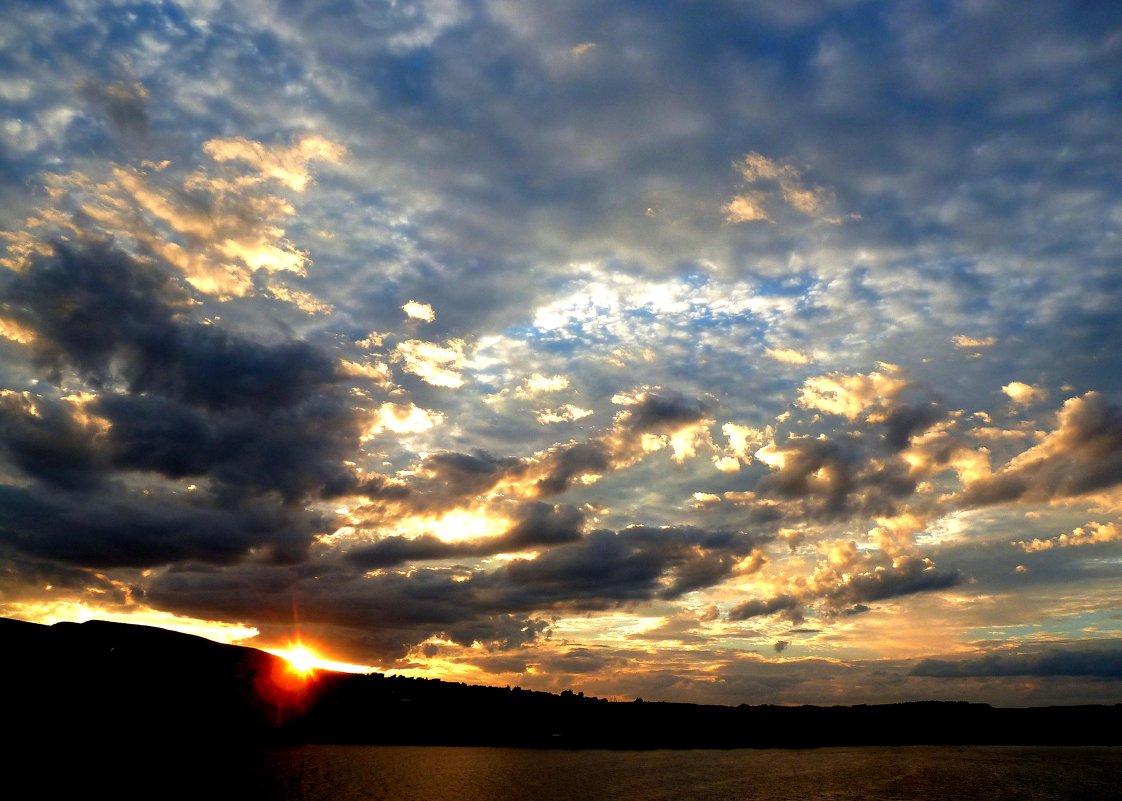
(380, 773)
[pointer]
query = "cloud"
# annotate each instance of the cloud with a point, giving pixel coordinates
(639, 562)
(147, 529)
(538, 383)
(415, 310)
(821, 477)
(1024, 394)
(652, 420)
(847, 587)
(439, 365)
(286, 165)
(1100, 660)
(537, 524)
(964, 342)
(1090, 534)
(745, 208)
(906, 576)
(788, 355)
(218, 228)
(770, 182)
(125, 103)
(744, 441)
(564, 414)
(398, 609)
(399, 418)
(206, 329)
(758, 608)
(852, 396)
(48, 442)
(1081, 455)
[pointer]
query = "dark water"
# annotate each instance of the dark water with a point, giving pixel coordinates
(343, 773)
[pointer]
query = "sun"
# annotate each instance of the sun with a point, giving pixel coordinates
(301, 660)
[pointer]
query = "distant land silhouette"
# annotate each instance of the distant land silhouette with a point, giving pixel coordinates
(114, 682)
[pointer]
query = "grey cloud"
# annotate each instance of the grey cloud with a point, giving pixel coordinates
(603, 570)
(907, 576)
(446, 477)
(25, 576)
(556, 664)
(1083, 454)
(636, 563)
(132, 529)
(565, 464)
(834, 477)
(384, 615)
(1096, 659)
(907, 420)
(43, 439)
(451, 476)
(253, 417)
(759, 608)
(663, 410)
(295, 451)
(125, 103)
(109, 316)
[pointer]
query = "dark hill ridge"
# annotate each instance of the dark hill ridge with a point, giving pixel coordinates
(71, 682)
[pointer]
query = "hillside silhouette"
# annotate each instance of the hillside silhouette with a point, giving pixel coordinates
(124, 683)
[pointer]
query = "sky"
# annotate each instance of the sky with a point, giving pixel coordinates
(724, 351)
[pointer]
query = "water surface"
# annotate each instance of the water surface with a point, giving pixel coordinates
(377, 773)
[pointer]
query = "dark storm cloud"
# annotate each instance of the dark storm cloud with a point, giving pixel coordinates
(260, 426)
(604, 569)
(252, 417)
(43, 439)
(383, 615)
(28, 576)
(122, 529)
(636, 563)
(296, 451)
(539, 524)
(108, 316)
(1094, 659)
(67, 299)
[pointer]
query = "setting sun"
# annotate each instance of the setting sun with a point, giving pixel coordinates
(300, 660)
(304, 661)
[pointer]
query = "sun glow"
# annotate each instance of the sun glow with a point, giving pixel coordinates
(300, 660)
(456, 525)
(304, 661)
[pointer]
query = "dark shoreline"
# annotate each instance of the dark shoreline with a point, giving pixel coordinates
(140, 684)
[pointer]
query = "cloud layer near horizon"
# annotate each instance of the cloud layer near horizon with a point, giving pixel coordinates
(766, 354)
